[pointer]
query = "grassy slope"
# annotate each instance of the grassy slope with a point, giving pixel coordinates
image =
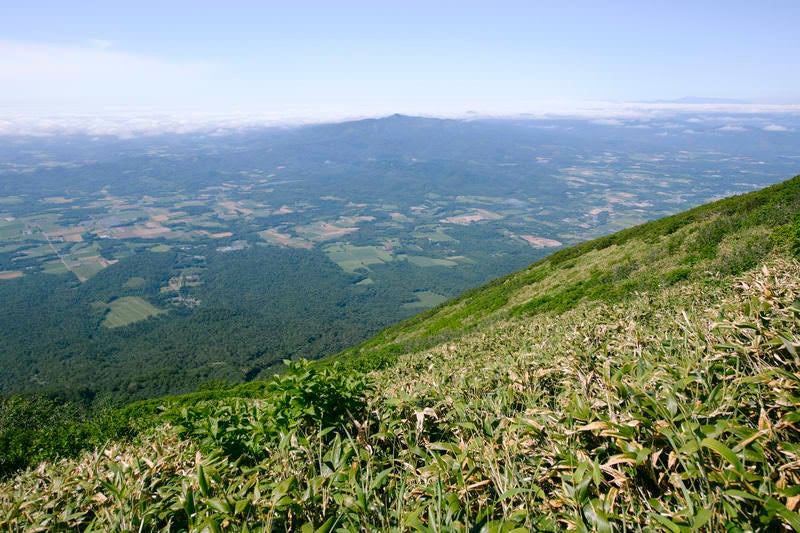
(647, 380)
(725, 237)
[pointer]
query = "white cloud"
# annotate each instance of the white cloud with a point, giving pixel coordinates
(142, 124)
(731, 127)
(625, 111)
(96, 88)
(608, 122)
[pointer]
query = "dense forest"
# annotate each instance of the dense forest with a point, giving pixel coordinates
(260, 305)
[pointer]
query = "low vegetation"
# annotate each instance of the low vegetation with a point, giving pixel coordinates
(646, 381)
(127, 310)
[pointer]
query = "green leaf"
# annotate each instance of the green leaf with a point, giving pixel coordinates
(283, 488)
(445, 447)
(188, 502)
(327, 525)
(739, 494)
(201, 479)
(701, 518)
(790, 516)
(789, 345)
(598, 518)
(667, 523)
(510, 493)
(725, 452)
(240, 506)
(212, 525)
(380, 479)
(219, 505)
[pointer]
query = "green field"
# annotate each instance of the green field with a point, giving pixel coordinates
(46, 222)
(11, 230)
(9, 248)
(84, 250)
(127, 310)
(422, 261)
(426, 299)
(44, 250)
(134, 283)
(54, 267)
(432, 233)
(351, 258)
(85, 271)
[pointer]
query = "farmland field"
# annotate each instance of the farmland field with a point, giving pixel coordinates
(127, 310)
(86, 270)
(135, 282)
(422, 261)
(54, 267)
(351, 258)
(425, 299)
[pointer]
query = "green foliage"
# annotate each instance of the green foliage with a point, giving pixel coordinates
(35, 429)
(32, 429)
(651, 414)
(252, 316)
(308, 398)
(795, 236)
(651, 396)
(304, 399)
(676, 275)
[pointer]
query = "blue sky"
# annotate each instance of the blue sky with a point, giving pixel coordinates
(368, 58)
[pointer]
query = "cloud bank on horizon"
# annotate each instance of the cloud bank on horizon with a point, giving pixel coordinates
(154, 65)
(666, 118)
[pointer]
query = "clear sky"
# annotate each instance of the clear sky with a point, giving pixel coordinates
(341, 57)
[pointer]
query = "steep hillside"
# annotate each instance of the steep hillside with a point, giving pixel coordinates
(649, 380)
(723, 238)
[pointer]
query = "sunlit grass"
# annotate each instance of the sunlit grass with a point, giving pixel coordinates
(675, 410)
(646, 383)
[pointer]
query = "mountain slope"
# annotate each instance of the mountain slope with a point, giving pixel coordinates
(648, 380)
(725, 237)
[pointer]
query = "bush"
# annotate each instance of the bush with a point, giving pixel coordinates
(305, 399)
(310, 399)
(33, 429)
(796, 236)
(36, 428)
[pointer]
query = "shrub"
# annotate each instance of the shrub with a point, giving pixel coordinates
(310, 398)
(33, 429)
(305, 399)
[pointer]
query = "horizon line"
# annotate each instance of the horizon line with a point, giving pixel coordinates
(145, 122)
